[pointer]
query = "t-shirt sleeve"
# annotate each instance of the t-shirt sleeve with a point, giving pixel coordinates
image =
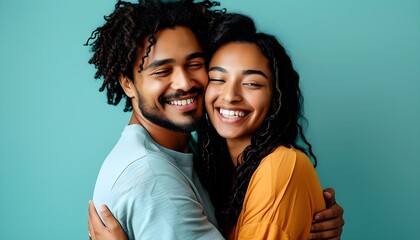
(282, 196)
(161, 206)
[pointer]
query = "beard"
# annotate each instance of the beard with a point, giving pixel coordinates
(154, 116)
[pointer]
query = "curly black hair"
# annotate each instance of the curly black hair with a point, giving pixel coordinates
(115, 44)
(283, 125)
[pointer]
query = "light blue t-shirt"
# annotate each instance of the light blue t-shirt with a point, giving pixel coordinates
(153, 191)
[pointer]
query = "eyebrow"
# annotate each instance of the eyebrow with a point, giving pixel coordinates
(195, 55)
(244, 72)
(250, 72)
(161, 62)
(219, 69)
(158, 63)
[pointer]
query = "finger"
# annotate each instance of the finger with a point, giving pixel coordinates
(109, 219)
(330, 234)
(329, 193)
(329, 197)
(91, 231)
(335, 211)
(94, 218)
(327, 225)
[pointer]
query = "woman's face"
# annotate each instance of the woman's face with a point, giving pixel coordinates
(240, 91)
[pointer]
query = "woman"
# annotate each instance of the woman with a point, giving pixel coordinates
(262, 183)
(253, 102)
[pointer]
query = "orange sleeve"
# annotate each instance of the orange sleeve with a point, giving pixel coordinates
(282, 196)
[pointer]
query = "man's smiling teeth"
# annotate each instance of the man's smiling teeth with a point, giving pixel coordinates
(182, 102)
(231, 114)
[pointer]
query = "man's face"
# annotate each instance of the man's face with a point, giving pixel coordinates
(169, 90)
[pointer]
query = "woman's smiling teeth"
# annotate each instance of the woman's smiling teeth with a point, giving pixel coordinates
(182, 102)
(231, 114)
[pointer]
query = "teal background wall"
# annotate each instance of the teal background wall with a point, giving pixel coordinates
(359, 63)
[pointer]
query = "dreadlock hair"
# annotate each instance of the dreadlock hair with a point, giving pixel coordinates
(115, 44)
(282, 126)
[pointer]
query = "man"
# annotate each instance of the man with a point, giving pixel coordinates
(151, 54)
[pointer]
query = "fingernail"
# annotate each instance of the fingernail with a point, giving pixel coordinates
(317, 217)
(103, 208)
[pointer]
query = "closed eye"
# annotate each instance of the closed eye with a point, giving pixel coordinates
(196, 65)
(162, 72)
(215, 80)
(250, 84)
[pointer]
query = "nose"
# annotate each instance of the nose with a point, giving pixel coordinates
(231, 93)
(181, 80)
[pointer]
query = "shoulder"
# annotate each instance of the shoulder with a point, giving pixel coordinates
(281, 168)
(285, 159)
(137, 155)
(283, 193)
(136, 161)
(275, 169)
(153, 169)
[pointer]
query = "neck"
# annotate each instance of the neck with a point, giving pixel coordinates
(166, 138)
(236, 147)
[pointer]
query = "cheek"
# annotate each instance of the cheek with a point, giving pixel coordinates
(152, 87)
(202, 77)
(210, 97)
(262, 103)
(262, 112)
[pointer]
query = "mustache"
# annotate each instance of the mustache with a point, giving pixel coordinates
(180, 93)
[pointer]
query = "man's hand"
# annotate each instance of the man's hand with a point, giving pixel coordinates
(328, 224)
(111, 230)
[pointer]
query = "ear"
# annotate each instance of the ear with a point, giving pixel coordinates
(127, 85)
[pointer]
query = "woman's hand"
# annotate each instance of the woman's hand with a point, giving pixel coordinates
(328, 224)
(111, 230)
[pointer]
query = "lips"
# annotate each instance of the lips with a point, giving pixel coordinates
(181, 98)
(186, 104)
(232, 113)
(182, 102)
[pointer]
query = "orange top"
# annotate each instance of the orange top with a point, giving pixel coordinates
(282, 196)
